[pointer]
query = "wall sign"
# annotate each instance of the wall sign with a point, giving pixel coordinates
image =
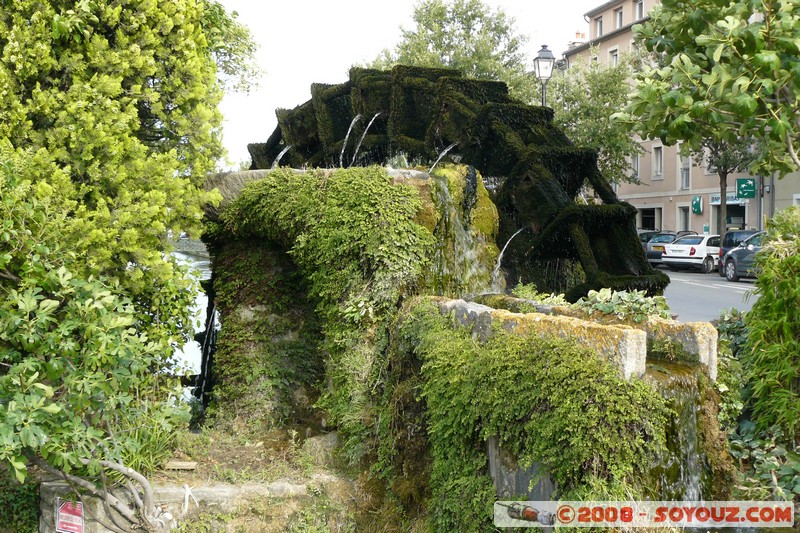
(697, 205)
(746, 187)
(69, 516)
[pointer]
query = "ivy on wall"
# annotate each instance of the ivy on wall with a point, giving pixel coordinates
(547, 400)
(353, 236)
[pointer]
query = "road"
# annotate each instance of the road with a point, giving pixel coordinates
(694, 296)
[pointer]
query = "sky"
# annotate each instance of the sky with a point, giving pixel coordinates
(317, 41)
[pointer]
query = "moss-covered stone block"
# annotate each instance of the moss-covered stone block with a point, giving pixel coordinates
(692, 342)
(268, 352)
(623, 346)
(667, 340)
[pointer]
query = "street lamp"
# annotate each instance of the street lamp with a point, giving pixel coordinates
(543, 65)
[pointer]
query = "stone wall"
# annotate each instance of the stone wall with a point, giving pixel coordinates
(691, 342)
(625, 347)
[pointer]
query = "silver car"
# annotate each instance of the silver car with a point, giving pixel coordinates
(655, 247)
(740, 262)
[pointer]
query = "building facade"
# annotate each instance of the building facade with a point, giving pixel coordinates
(675, 192)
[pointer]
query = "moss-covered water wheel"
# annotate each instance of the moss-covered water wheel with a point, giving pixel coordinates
(420, 111)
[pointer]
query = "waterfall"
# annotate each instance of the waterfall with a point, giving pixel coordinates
(681, 472)
(457, 269)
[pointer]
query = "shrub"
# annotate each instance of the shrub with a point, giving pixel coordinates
(625, 304)
(771, 354)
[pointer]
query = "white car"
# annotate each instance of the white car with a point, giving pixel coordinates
(692, 251)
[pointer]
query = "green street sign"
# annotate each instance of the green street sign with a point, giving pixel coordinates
(746, 188)
(697, 205)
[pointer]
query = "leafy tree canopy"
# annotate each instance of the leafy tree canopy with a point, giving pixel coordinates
(118, 105)
(726, 69)
(82, 391)
(584, 97)
(108, 127)
(466, 35)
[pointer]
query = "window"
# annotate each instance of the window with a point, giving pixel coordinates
(638, 9)
(635, 167)
(648, 218)
(683, 215)
(598, 27)
(617, 18)
(658, 162)
(613, 57)
(686, 172)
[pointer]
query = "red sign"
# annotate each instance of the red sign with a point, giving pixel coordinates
(69, 518)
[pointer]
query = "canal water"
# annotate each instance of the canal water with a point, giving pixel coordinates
(189, 356)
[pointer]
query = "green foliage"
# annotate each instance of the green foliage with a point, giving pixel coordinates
(547, 400)
(352, 235)
(771, 355)
(116, 109)
(232, 47)
(465, 35)
(730, 372)
(583, 98)
(725, 70)
(529, 292)
(20, 504)
(633, 305)
(108, 126)
(321, 515)
(351, 232)
(78, 383)
(768, 470)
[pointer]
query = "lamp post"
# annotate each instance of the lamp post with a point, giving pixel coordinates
(543, 65)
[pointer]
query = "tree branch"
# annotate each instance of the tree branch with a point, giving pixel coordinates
(130, 473)
(5, 274)
(792, 152)
(107, 508)
(114, 502)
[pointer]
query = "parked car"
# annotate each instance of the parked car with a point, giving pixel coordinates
(655, 246)
(646, 234)
(740, 262)
(692, 251)
(731, 240)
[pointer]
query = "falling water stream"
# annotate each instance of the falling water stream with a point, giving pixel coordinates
(344, 143)
(681, 472)
(189, 355)
(361, 139)
(441, 155)
(280, 155)
(457, 266)
(497, 286)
